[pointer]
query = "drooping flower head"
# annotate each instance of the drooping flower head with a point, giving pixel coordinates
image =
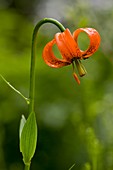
(70, 51)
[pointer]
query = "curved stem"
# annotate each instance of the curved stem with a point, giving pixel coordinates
(33, 58)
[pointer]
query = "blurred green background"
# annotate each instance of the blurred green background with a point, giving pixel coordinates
(75, 122)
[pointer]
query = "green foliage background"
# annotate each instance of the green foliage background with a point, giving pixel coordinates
(75, 122)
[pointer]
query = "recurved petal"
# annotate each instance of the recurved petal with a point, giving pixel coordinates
(63, 47)
(50, 58)
(67, 46)
(94, 40)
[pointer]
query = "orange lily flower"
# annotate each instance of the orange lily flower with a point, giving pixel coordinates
(69, 49)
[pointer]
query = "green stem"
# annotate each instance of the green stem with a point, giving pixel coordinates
(71, 167)
(17, 91)
(27, 167)
(33, 57)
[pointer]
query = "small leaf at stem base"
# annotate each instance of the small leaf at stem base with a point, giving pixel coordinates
(22, 123)
(28, 138)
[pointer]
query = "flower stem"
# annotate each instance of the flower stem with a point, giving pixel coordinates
(27, 167)
(33, 57)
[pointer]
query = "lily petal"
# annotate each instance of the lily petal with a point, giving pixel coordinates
(94, 41)
(50, 58)
(62, 46)
(67, 45)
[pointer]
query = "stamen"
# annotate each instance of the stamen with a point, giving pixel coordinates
(76, 78)
(80, 67)
(75, 75)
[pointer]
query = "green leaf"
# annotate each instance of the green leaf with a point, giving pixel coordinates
(22, 123)
(28, 138)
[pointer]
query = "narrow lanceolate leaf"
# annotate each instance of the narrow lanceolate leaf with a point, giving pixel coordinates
(28, 138)
(22, 123)
(13, 88)
(71, 167)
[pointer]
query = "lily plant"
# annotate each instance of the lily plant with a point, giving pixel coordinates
(71, 54)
